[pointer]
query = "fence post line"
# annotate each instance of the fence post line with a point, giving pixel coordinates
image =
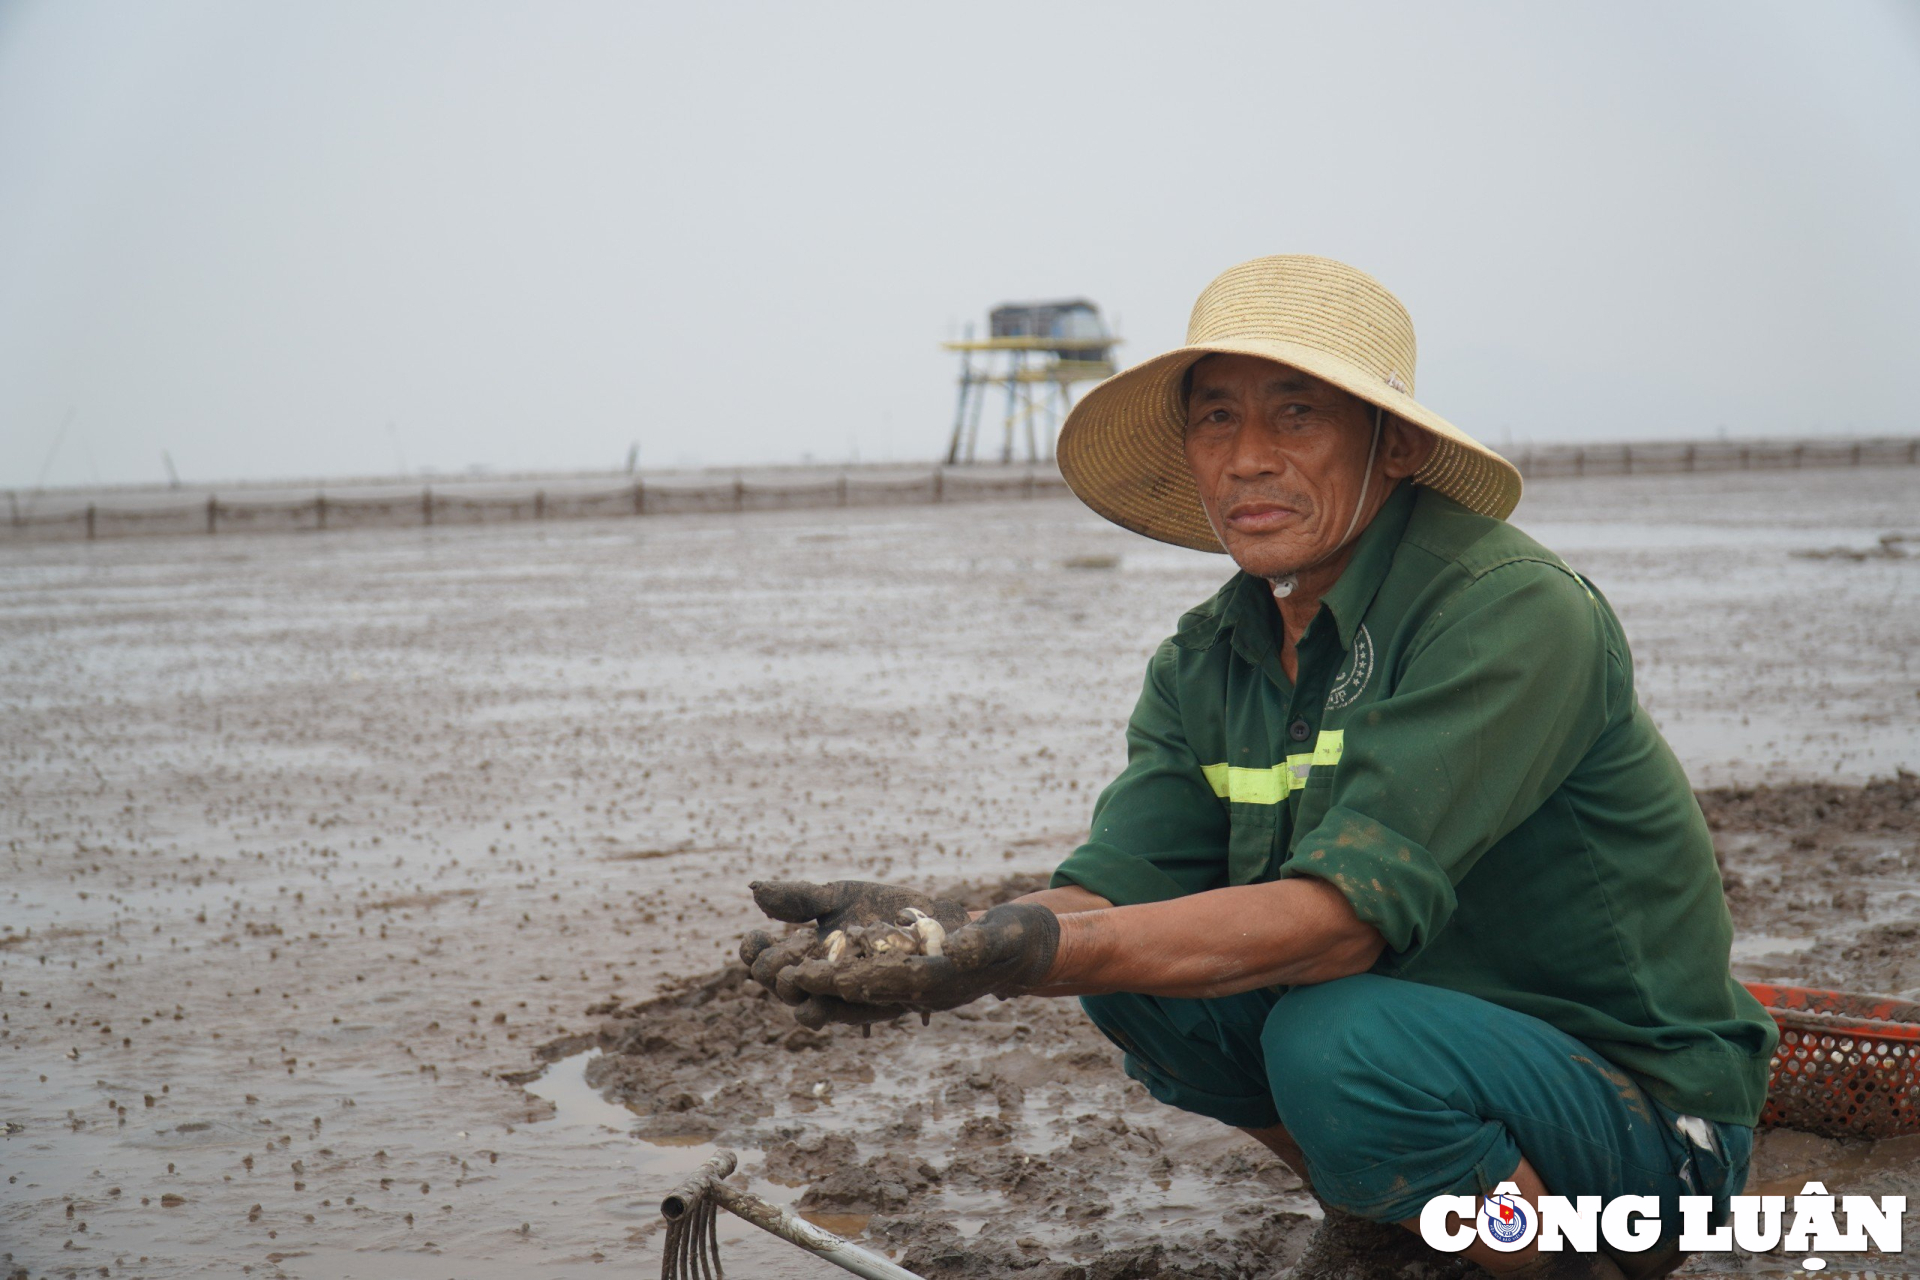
(1860, 452)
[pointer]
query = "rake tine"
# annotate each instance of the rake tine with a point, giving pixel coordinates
(670, 1253)
(710, 1241)
(692, 1249)
(689, 1259)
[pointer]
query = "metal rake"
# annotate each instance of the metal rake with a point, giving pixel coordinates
(693, 1246)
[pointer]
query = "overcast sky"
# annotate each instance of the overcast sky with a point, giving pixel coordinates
(284, 240)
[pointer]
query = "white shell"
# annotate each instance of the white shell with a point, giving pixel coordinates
(928, 934)
(836, 946)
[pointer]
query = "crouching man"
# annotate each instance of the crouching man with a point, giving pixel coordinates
(1399, 878)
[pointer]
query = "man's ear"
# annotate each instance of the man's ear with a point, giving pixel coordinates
(1404, 448)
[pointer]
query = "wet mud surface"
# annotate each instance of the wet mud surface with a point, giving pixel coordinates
(994, 1141)
(342, 874)
(1004, 1138)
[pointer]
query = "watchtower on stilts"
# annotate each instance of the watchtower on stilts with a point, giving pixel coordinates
(1036, 351)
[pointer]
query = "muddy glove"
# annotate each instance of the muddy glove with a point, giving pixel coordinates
(1006, 952)
(836, 906)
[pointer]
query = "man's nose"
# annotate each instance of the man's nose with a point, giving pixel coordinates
(1253, 454)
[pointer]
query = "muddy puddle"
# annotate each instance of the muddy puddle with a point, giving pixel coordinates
(319, 851)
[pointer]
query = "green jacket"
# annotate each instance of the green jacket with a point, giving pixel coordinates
(1464, 758)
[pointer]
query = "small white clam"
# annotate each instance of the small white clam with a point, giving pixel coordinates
(932, 935)
(836, 946)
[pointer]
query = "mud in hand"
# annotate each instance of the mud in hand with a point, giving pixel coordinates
(853, 921)
(1007, 952)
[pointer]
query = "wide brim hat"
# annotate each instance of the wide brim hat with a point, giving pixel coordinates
(1122, 451)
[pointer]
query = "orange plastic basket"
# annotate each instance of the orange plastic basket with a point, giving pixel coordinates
(1848, 1066)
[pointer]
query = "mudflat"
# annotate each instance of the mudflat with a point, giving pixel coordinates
(369, 896)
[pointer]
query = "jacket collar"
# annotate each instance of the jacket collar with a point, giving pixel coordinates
(1353, 592)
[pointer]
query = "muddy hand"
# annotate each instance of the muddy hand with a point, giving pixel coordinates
(817, 1011)
(1006, 952)
(837, 906)
(779, 953)
(767, 957)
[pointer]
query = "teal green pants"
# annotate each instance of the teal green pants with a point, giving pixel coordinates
(1397, 1092)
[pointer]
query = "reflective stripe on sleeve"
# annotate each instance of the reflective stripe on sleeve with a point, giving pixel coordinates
(1272, 785)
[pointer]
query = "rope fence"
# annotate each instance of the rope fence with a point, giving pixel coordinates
(426, 507)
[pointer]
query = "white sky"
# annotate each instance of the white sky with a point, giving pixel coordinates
(526, 235)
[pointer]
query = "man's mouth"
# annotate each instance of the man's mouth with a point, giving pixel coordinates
(1258, 517)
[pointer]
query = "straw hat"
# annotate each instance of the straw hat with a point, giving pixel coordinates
(1121, 449)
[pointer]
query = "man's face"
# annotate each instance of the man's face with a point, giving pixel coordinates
(1277, 455)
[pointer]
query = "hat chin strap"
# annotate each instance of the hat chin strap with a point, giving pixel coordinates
(1284, 584)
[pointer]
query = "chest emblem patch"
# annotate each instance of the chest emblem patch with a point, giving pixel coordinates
(1353, 681)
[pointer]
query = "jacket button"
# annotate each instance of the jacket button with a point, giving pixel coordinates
(1298, 731)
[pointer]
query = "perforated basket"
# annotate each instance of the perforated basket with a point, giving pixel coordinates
(1848, 1066)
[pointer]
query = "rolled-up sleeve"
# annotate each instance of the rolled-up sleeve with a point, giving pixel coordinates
(1501, 694)
(1158, 830)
